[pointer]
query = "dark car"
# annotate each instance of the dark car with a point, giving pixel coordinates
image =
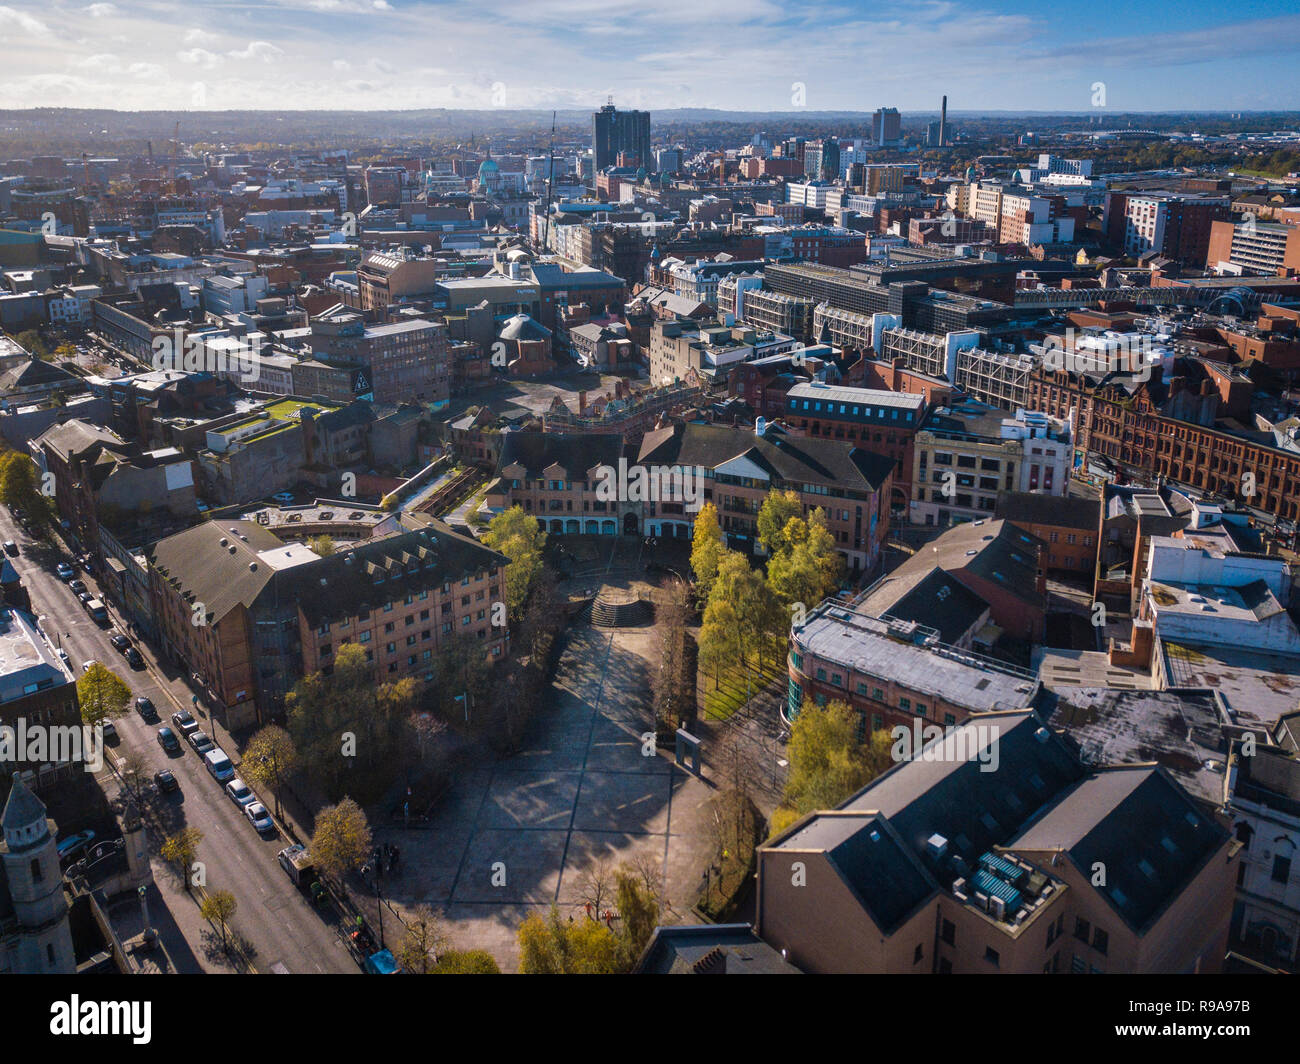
(168, 741)
(11, 548)
(201, 743)
(184, 720)
(167, 782)
(120, 642)
(78, 585)
(133, 658)
(146, 709)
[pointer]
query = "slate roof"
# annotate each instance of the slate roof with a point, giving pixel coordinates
(575, 453)
(793, 460)
(217, 576)
(996, 551)
(23, 808)
(1032, 508)
(711, 949)
(934, 599)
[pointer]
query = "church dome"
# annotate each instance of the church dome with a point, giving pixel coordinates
(487, 167)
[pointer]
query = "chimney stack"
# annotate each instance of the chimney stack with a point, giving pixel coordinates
(943, 123)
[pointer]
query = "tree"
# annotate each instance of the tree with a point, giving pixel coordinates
(134, 769)
(322, 545)
(596, 887)
(671, 692)
(810, 567)
(350, 732)
(32, 342)
(778, 510)
(342, 839)
(218, 907)
(269, 760)
(181, 849)
(719, 638)
(828, 762)
(706, 550)
(466, 962)
(759, 618)
(66, 352)
(549, 946)
(422, 945)
(638, 910)
(102, 694)
(518, 536)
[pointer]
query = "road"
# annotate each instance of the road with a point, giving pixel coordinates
(272, 915)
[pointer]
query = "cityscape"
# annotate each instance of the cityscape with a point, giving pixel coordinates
(585, 520)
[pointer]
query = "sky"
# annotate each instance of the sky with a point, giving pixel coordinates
(756, 55)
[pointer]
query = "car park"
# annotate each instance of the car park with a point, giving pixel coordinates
(168, 741)
(240, 793)
(166, 781)
(200, 742)
(146, 709)
(259, 817)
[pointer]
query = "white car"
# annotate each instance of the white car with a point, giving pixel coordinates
(259, 817)
(240, 793)
(86, 666)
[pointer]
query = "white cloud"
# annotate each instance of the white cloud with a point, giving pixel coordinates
(198, 36)
(263, 50)
(24, 21)
(199, 57)
(341, 64)
(101, 10)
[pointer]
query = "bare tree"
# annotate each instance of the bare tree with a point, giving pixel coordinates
(597, 886)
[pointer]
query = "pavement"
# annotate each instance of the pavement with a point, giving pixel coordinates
(273, 918)
(516, 836)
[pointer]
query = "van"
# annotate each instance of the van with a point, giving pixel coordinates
(219, 765)
(97, 611)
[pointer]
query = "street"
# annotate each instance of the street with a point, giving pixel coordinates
(279, 923)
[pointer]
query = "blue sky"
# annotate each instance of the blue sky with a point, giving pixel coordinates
(736, 55)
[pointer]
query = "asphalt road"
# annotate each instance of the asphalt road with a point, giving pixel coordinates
(272, 915)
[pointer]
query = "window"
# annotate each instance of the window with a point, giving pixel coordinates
(364, 637)
(1051, 935)
(991, 955)
(948, 933)
(36, 871)
(326, 650)
(905, 703)
(1081, 928)
(1100, 940)
(391, 648)
(389, 627)
(945, 966)
(918, 953)
(1281, 869)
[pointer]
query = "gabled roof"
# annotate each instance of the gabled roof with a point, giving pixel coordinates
(575, 453)
(793, 460)
(35, 374)
(1031, 508)
(206, 571)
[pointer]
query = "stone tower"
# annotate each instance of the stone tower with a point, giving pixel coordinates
(33, 884)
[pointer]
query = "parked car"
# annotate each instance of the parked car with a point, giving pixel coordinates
(146, 709)
(200, 742)
(167, 782)
(78, 585)
(120, 642)
(86, 666)
(168, 741)
(259, 817)
(65, 571)
(11, 548)
(83, 597)
(63, 656)
(218, 764)
(184, 721)
(240, 793)
(110, 732)
(74, 844)
(133, 658)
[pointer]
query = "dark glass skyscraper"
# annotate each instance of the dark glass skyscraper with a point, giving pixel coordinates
(614, 131)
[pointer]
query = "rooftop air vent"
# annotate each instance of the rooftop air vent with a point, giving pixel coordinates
(252, 567)
(936, 846)
(1042, 735)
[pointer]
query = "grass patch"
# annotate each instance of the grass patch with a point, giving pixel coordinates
(722, 697)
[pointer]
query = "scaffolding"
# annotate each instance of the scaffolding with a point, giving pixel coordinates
(922, 352)
(841, 328)
(996, 379)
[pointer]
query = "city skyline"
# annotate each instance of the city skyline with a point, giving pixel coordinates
(572, 54)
